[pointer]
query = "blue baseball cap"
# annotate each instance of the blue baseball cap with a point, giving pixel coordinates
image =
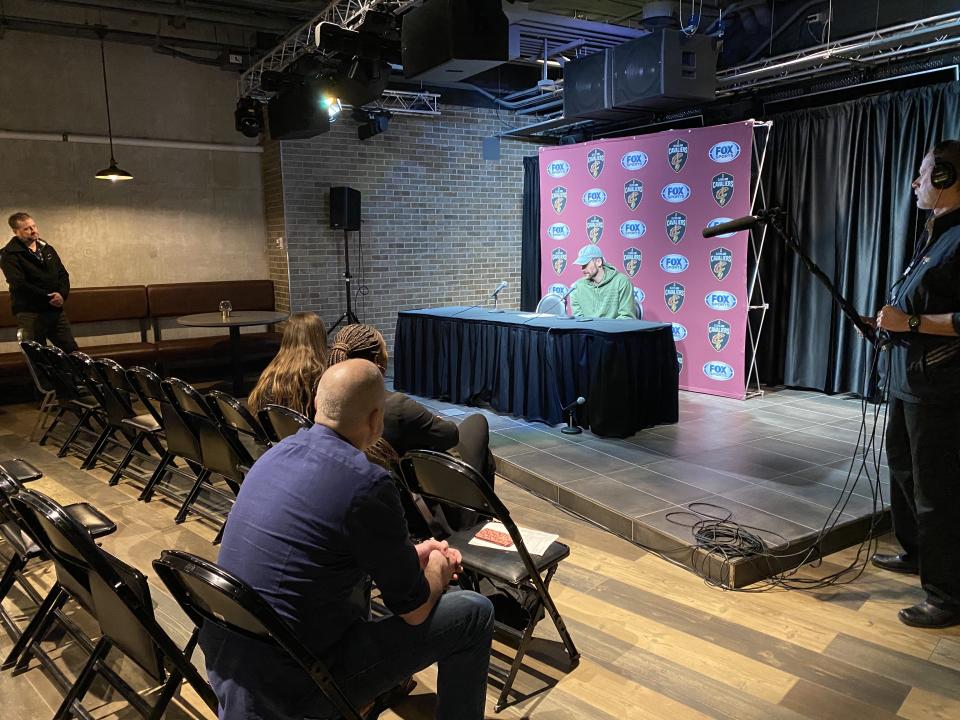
(588, 253)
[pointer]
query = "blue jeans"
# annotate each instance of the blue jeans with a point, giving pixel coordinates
(376, 656)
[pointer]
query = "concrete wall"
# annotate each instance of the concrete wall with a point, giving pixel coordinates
(440, 225)
(188, 214)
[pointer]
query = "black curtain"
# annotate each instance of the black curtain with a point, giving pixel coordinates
(843, 174)
(530, 239)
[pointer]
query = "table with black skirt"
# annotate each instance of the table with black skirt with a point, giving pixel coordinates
(532, 366)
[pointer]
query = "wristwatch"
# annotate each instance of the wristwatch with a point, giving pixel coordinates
(913, 322)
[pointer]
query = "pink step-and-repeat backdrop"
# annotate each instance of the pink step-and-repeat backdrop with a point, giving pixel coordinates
(644, 201)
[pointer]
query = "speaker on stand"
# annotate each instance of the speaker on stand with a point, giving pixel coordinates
(345, 215)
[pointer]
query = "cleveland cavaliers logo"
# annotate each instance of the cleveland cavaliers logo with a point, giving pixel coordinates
(676, 226)
(677, 153)
(595, 162)
(718, 333)
(559, 260)
(594, 228)
(558, 198)
(632, 257)
(673, 295)
(722, 188)
(721, 260)
(633, 193)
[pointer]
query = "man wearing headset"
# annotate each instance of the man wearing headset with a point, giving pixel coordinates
(923, 381)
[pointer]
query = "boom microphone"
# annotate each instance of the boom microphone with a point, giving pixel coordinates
(743, 223)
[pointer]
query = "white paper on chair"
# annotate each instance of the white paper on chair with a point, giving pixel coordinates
(536, 541)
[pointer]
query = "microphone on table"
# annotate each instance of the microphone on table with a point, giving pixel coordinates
(493, 296)
(571, 409)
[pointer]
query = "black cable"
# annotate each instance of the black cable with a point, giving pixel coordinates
(721, 537)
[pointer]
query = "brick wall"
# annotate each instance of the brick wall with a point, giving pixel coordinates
(274, 222)
(441, 226)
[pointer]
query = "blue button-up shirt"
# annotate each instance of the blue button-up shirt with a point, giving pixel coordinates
(314, 520)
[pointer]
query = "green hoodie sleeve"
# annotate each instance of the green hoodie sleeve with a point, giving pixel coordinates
(626, 309)
(575, 302)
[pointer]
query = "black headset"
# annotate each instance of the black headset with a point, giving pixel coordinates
(943, 175)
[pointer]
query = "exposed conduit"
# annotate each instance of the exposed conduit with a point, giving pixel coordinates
(136, 142)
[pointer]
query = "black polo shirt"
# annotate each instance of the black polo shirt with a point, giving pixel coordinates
(313, 522)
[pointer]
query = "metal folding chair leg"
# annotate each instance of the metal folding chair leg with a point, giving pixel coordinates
(91, 459)
(84, 680)
(147, 493)
(47, 405)
(191, 496)
(81, 423)
(56, 421)
(36, 627)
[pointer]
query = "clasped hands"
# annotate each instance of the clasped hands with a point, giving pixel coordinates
(447, 559)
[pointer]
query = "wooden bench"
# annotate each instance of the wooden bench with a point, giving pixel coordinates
(107, 322)
(114, 322)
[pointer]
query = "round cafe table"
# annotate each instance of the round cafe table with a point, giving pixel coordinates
(236, 320)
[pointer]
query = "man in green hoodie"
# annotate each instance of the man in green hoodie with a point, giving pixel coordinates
(602, 292)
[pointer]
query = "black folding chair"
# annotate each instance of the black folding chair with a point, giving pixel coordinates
(118, 597)
(43, 383)
(182, 440)
(208, 593)
(139, 429)
(68, 387)
(281, 422)
(16, 534)
(221, 452)
(452, 483)
(110, 411)
(233, 414)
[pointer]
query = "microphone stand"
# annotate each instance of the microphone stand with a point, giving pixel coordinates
(572, 428)
(349, 315)
(774, 219)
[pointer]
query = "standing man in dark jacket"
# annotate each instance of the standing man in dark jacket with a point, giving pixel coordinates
(923, 382)
(39, 285)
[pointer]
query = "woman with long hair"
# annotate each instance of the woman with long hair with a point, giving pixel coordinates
(291, 377)
(408, 425)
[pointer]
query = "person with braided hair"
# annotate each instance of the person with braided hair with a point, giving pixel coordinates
(408, 425)
(291, 377)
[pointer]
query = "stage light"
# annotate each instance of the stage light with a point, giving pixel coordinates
(247, 118)
(374, 125)
(332, 105)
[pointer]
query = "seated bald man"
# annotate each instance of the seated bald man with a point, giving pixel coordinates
(313, 524)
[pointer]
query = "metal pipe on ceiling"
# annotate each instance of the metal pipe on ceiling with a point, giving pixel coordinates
(134, 142)
(151, 7)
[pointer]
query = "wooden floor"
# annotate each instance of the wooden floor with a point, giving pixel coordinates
(656, 641)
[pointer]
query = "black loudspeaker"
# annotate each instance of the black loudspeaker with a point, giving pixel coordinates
(663, 70)
(295, 114)
(454, 39)
(344, 208)
(943, 175)
(586, 87)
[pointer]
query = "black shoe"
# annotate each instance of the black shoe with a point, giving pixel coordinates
(901, 563)
(925, 615)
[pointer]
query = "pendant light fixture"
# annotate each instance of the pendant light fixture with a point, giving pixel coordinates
(112, 173)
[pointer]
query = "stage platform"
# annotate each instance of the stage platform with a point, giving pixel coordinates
(776, 464)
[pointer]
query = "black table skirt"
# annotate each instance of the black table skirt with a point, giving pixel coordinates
(629, 379)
